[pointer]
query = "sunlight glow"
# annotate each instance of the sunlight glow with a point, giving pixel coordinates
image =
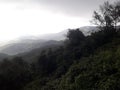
(22, 19)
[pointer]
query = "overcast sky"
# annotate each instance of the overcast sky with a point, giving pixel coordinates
(35, 17)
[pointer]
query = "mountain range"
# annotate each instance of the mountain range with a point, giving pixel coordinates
(31, 43)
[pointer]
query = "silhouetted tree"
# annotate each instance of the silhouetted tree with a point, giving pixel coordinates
(75, 37)
(108, 15)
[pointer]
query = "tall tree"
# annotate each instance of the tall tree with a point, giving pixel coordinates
(75, 37)
(108, 15)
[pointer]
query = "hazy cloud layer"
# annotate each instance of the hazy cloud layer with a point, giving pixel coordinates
(36, 17)
(72, 7)
(80, 8)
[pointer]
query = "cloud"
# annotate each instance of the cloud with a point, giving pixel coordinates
(18, 19)
(80, 8)
(35, 17)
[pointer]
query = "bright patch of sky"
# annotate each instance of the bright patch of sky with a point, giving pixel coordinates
(22, 19)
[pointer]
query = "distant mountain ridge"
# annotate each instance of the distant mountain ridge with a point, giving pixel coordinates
(21, 47)
(28, 43)
(3, 56)
(34, 53)
(87, 30)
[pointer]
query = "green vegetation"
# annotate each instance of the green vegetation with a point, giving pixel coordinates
(82, 63)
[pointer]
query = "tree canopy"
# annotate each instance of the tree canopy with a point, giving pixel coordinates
(108, 15)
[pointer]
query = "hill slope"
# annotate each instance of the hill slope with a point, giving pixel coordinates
(32, 55)
(82, 62)
(100, 70)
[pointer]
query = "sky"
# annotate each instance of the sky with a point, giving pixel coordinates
(36, 17)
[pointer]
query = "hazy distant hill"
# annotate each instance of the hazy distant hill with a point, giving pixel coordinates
(54, 36)
(33, 54)
(20, 46)
(25, 46)
(28, 43)
(3, 56)
(87, 30)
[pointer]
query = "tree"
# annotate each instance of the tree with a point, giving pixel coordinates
(75, 37)
(46, 62)
(14, 74)
(108, 15)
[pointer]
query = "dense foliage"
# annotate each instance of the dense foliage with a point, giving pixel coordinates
(82, 63)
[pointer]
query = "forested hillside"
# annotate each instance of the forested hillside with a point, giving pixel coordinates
(83, 63)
